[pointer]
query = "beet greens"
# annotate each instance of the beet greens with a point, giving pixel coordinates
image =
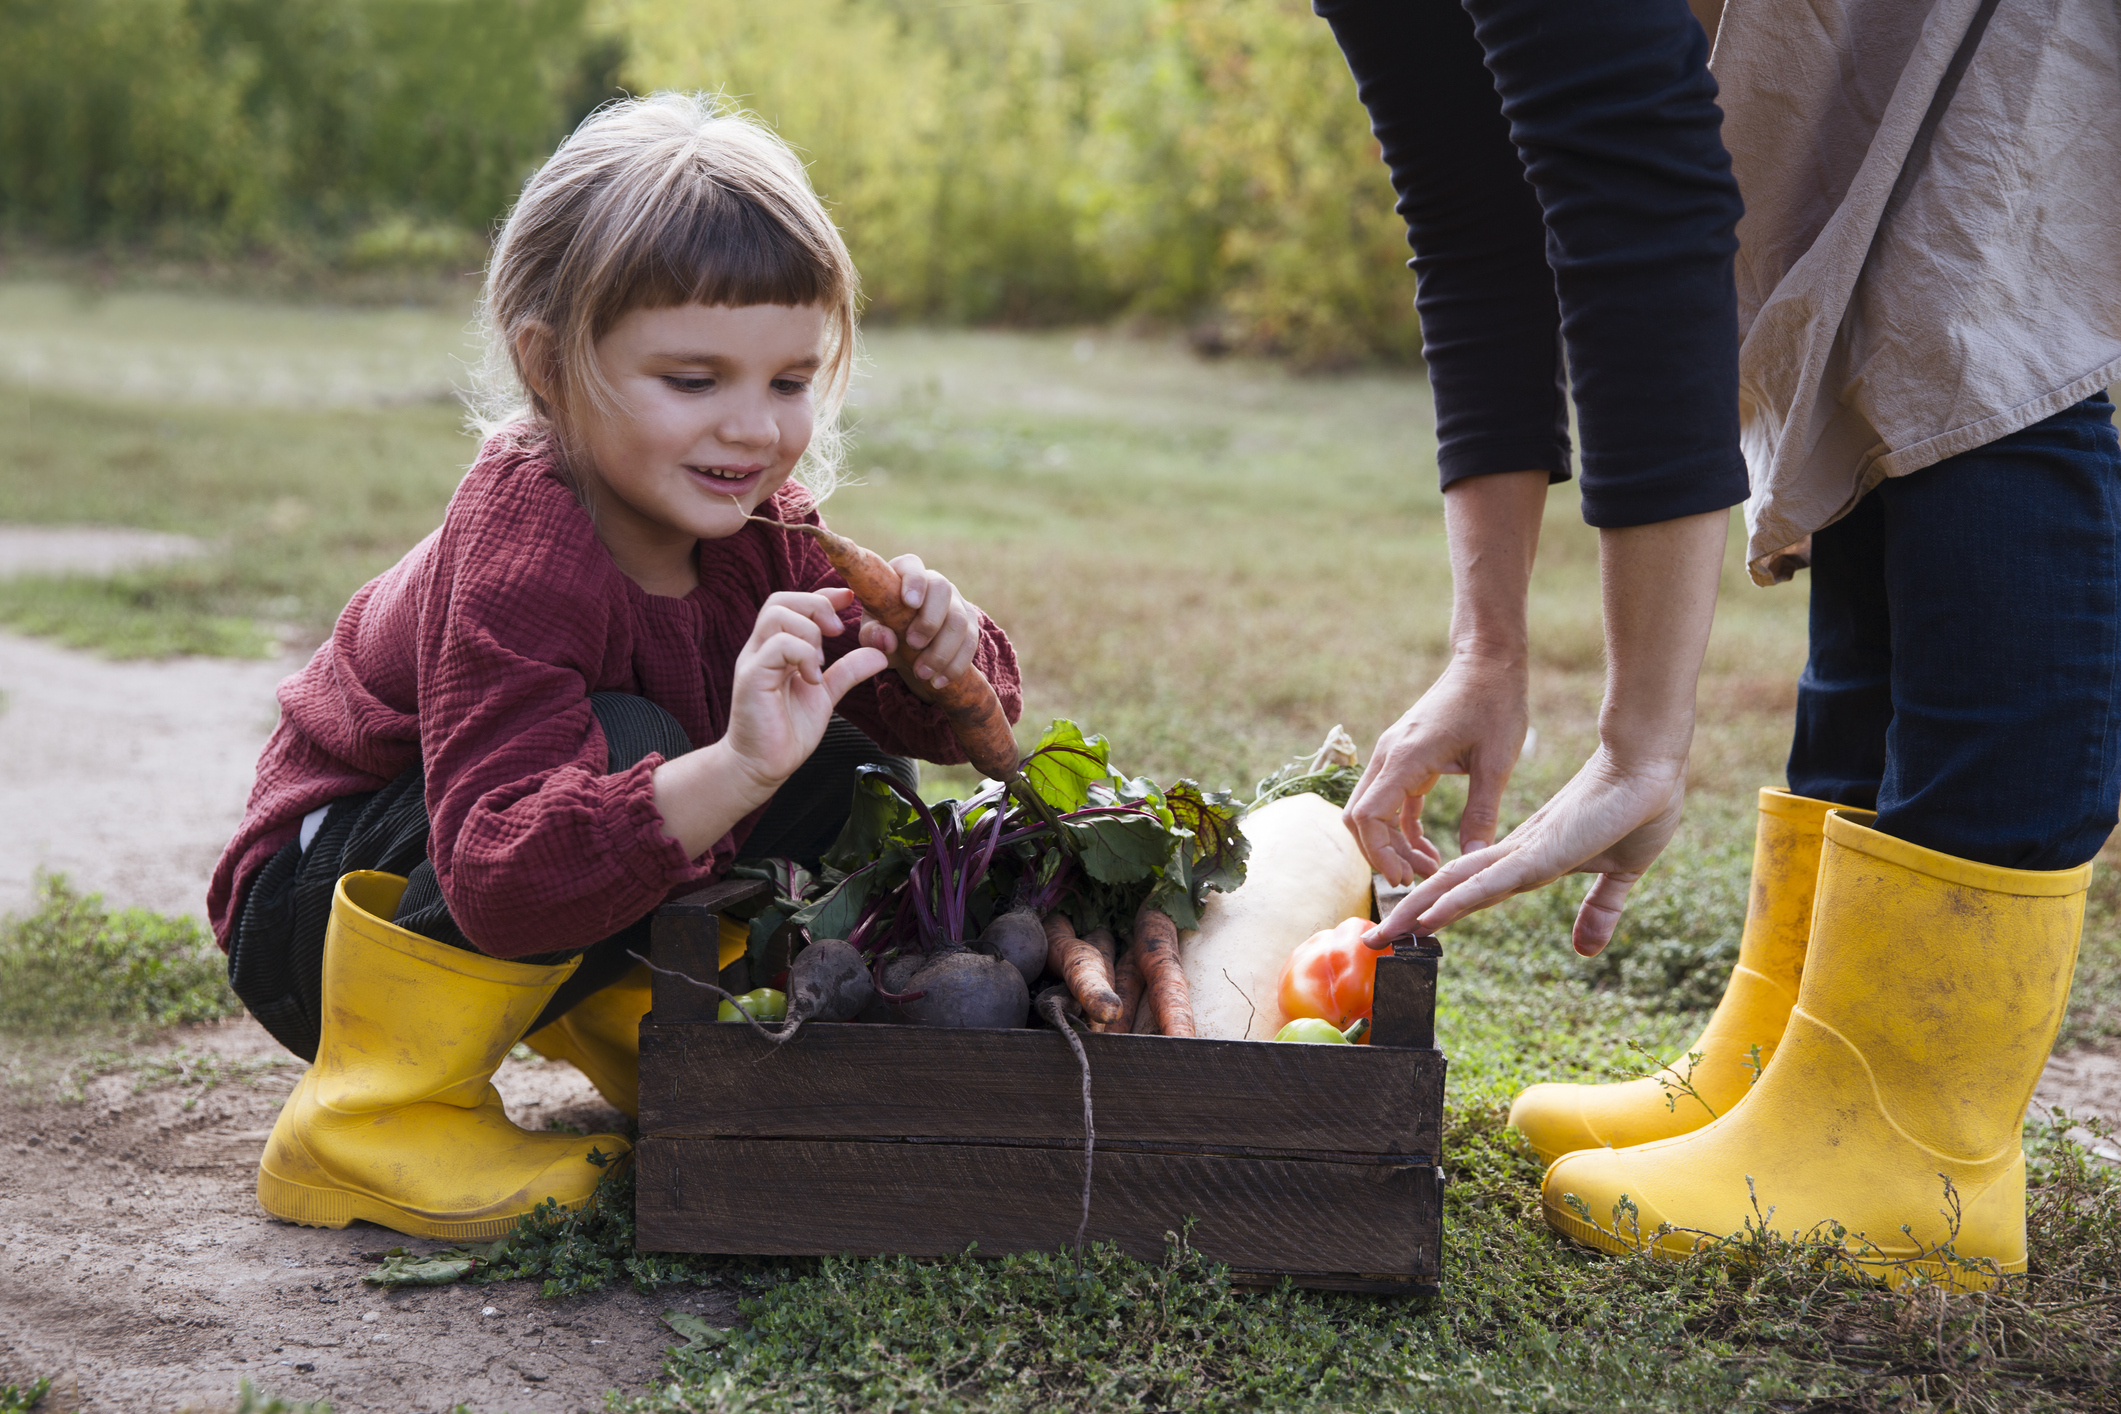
(1068, 832)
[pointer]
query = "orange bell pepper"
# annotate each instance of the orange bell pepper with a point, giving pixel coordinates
(1332, 976)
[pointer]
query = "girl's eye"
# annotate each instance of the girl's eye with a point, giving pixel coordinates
(688, 385)
(790, 386)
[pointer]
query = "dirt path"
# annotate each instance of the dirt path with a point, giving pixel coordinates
(138, 1273)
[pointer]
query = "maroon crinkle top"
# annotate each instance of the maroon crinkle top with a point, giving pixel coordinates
(479, 650)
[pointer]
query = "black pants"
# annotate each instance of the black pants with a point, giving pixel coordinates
(276, 952)
(1965, 670)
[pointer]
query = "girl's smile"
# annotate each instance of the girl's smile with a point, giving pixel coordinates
(712, 407)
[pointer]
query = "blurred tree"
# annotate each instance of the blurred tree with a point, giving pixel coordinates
(252, 119)
(1201, 160)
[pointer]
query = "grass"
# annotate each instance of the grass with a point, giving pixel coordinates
(1211, 563)
(72, 965)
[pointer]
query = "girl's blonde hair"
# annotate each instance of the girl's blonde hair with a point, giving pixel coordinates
(667, 200)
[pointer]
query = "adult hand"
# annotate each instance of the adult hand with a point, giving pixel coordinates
(944, 634)
(1612, 820)
(1615, 816)
(1471, 722)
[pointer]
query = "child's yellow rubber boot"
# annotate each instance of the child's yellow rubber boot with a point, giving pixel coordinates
(1931, 997)
(398, 1122)
(1559, 1119)
(601, 1037)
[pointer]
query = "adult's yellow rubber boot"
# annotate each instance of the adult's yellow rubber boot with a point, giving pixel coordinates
(1931, 997)
(398, 1122)
(601, 1037)
(1559, 1119)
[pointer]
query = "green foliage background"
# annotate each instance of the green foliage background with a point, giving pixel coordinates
(1059, 161)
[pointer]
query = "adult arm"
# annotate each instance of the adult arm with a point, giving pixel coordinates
(1472, 721)
(1609, 111)
(1658, 591)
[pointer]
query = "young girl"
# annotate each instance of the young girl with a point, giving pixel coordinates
(487, 780)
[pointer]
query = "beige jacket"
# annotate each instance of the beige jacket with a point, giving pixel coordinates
(1931, 252)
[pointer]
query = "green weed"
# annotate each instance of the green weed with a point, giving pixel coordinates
(17, 1400)
(72, 965)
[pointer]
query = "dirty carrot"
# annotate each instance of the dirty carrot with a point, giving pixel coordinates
(1156, 943)
(1085, 964)
(975, 713)
(1129, 985)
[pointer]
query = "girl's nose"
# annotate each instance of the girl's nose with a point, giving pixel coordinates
(748, 422)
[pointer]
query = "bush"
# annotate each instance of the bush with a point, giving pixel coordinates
(1203, 161)
(244, 122)
(72, 964)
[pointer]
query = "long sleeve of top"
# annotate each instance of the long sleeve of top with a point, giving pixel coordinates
(1561, 172)
(475, 656)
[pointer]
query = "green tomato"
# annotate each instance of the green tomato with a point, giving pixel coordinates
(764, 1004)
(1312, 1030)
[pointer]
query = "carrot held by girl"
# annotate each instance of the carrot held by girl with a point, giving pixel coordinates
(599, 682)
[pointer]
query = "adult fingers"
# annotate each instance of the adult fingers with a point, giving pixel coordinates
(1428, 856)
(1409, 915)
(1386, 847)
(1376, 814)
(1600, 914)
(1481, 820)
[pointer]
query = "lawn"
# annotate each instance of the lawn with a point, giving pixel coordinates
(1211, 562)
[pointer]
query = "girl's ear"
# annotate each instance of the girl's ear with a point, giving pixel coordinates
(537, 363)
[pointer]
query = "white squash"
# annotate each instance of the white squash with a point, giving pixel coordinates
(1305, 873)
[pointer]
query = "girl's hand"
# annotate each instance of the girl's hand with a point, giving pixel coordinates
(944, 633)
(784, 694)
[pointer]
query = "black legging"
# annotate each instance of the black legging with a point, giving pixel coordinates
(276, 951)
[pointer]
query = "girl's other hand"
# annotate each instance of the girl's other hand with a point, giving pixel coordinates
(945, 631)
(784, 694)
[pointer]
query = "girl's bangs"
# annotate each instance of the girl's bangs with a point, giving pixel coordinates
(723, 249)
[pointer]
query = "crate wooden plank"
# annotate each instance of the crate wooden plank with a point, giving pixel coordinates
(850, 1081)
(1404, 1013)
(1362, 1223)
(685, 937)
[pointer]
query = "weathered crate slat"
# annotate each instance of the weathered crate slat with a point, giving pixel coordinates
(932, 1200)
(1318, 1163)
(836, 1081)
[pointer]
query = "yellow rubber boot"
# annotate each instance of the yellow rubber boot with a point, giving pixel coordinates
(1559, 1119)
(398, 1122)
(601, 1037)
(1931, 997)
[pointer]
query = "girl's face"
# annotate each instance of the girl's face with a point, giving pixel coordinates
(713, 403)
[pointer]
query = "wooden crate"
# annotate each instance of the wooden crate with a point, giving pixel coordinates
(1319, 1163)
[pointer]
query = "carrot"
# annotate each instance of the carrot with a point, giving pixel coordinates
(1156, 940)
(975, 713)
(1129, 984)
(1085, 964)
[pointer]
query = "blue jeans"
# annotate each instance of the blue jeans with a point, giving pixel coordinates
(1966, 650)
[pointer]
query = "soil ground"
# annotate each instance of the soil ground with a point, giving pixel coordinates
(140, 1275)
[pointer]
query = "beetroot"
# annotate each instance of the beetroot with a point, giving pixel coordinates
(829, 981)
(1018, 938)
(897, 974)
(963, 988)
